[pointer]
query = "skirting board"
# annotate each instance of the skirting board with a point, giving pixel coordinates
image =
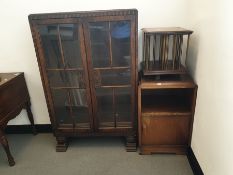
(47, 128)
(194, 163)
(26, 129)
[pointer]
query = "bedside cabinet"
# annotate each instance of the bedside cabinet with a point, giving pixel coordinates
(165, 114)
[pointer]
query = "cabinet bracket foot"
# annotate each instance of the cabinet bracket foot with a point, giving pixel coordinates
(62, 144)
(131, 145)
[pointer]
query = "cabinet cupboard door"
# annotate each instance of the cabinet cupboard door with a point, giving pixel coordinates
(165, 130)
(65, 68)
(110, 54)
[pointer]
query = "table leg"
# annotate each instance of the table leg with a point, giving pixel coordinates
(5, 145)
(30, 117)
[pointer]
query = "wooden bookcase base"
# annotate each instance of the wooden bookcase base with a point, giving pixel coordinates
(63, 143)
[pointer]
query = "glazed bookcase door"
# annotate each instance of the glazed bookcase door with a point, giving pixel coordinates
(64, 68)
(111, 64)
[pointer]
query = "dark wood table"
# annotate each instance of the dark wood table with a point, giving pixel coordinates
(14, 97)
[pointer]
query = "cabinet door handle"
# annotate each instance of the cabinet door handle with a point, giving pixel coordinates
(143, 127)
(97, 78)
(81, 80)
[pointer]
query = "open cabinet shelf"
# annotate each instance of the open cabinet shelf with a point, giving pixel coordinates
(166, 102)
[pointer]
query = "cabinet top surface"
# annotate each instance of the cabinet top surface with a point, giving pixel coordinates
(83, 14)
(183, 81)
(167, 30)
(6, 77)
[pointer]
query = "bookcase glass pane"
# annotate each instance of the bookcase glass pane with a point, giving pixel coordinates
(50, 44)
(71, 45)
(115, 77)
(105, 107)
(99, 39)
(61, 106)
(65, 78)
(123, 106)
(120, 40)
(79, 107)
